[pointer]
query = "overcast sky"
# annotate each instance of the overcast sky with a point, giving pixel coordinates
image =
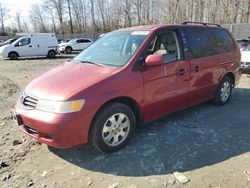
(14, 5)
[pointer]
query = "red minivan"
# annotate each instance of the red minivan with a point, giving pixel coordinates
(128, 77)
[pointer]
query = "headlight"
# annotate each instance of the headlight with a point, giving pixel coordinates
(60, 106)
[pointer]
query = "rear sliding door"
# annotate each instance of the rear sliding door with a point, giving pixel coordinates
(208, 48)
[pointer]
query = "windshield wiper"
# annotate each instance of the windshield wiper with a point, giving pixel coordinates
(90, 62)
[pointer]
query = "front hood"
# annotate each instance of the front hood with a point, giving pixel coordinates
(67, 79)
(245, 56)
(5, 47)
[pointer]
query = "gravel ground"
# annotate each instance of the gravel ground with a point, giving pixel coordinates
(207, 144)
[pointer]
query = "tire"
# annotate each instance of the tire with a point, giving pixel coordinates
(68, 50)
(13, 55)
(112, 128)
(223, 92)
(51, 54)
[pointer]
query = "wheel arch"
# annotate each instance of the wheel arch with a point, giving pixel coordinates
(69, 47)
(51, 50)
(231, 76)
(130, 102)
(13, 52)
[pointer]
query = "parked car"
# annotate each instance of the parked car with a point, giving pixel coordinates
(245, 60)
(243, 43)
(126, 78)
(74, 45)
(9, 41)
(31, 45)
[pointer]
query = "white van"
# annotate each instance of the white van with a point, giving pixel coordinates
(43, 44)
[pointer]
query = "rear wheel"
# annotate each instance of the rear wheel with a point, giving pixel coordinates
(68, 50)
(51, 54)
(224, 91)
(112, 128)
(13, 55)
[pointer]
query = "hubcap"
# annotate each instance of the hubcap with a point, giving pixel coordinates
(68, 50)
(225, 91)
(116, 129)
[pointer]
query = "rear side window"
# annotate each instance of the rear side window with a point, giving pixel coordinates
(86, 40)
(223, 40)
(79, 41)
(203, 42)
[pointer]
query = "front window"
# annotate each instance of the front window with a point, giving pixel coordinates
(23, 42)
(113, 49)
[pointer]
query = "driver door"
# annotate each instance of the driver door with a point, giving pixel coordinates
(79, 45)
(24, 47)
(166, 86)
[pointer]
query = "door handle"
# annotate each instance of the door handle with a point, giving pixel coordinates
(197, 69)
(181, 72)
(30, 45)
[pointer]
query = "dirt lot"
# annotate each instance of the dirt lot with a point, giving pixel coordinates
(210, 145)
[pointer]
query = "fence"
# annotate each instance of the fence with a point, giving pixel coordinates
(239, 31)
(65, 36)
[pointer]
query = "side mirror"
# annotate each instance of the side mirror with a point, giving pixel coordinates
(153, 60)
(18, 44)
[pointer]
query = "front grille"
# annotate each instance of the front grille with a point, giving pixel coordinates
(30, 130)
(28, 101)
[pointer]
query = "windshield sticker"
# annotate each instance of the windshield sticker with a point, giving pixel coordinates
(140, 33)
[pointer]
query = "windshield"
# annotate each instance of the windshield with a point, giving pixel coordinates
(71, 41)
(113, 49)
(9, 41)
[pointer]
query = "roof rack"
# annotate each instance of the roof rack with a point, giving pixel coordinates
(35, 34)
(201, 23)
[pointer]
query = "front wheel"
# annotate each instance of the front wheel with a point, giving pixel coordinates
(224, 91)
(68, 50)
(13, 56)
(112, 128)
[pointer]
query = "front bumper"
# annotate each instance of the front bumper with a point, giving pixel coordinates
(56, 130)
(61, 49)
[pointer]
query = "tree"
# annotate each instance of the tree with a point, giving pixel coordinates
(59, 7)
(37, 18)
(18, 21)
(70, 18)
(3, 16)
(93, 16)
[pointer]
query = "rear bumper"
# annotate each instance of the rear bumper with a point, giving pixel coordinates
(245, 69)
(56, 130)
